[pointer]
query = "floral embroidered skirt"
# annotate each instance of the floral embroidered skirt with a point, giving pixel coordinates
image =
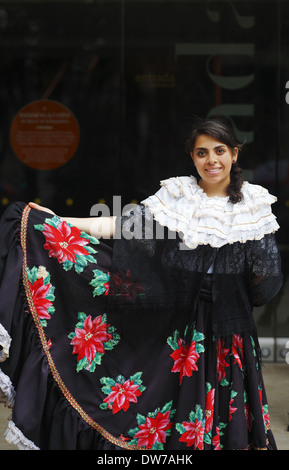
(221, 390)
(204, 395)
(74, 383)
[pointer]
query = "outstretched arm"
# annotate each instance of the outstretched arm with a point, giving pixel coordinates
(99, 227)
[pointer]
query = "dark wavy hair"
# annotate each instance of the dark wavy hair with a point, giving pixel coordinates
(221, 131)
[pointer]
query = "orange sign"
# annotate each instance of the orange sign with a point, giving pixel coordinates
(44, 135)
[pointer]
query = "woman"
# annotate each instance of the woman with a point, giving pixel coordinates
(174, 362)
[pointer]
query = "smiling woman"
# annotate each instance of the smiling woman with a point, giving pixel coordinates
(213, 161)
(150, 344)
(214, 151)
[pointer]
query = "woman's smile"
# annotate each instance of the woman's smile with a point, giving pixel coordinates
(213, 170)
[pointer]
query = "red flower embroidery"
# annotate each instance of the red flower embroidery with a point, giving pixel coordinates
(265, 411)
(237, 349)
(123, 285)
(266, 420)
(89, 339)
(216, 440)
(39, 292)
(185, 358)
(248, 416)
(122, 394)
(231, 409)
(221, 356)
(106, 287)
(194, 434)
(209, 410)
(154, 430)
(64, 242)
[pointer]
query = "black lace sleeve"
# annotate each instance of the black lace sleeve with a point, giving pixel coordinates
(266, 272)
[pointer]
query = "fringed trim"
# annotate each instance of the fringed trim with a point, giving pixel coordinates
(14, 436)
(5, 342)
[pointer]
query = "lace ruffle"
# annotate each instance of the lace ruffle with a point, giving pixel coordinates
(182, 206)
(14, 436)
(5, 342)
(7, 391)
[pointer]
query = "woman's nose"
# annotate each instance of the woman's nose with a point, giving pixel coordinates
(211, 157)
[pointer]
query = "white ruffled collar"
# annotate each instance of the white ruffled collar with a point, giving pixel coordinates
(183, 206)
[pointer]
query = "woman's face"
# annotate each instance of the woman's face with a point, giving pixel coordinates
(213, 161)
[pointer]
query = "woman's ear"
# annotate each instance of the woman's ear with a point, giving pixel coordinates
(235, 154)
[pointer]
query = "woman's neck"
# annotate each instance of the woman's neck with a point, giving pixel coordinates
(213, 190)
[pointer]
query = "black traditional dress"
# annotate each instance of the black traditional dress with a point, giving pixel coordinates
(149, 345)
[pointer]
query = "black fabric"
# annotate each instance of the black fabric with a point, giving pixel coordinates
(78, 383)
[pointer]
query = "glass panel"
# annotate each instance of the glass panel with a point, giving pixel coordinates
(68, 53)
(134, 76)
(273, 319)
(188, 60)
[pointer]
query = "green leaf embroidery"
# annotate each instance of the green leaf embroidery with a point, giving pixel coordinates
(180, 428)
(100, 278)
(167, 407)
(140, 419)
(39, 227)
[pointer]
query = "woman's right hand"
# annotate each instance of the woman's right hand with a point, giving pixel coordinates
(33, 205)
